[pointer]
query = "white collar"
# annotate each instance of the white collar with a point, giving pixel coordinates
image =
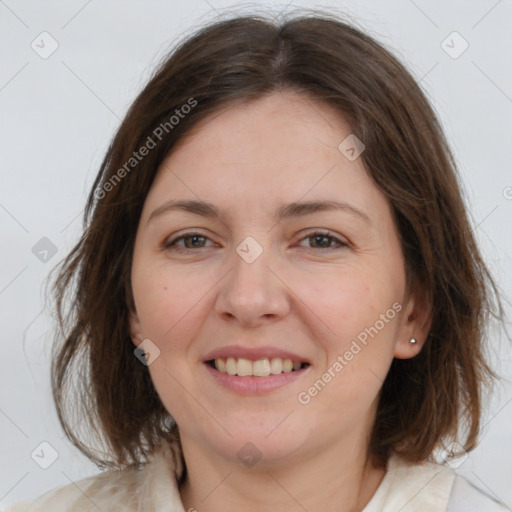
(424, 487)
(406, 487)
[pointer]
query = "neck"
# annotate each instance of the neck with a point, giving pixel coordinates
(339, 477)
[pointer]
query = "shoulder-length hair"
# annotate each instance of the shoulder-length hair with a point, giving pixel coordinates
(101, 387)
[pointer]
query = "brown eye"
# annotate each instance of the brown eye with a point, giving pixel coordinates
(193, 242)
(190, 241)
(320, 240)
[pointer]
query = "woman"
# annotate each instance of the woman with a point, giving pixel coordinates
(278, 302)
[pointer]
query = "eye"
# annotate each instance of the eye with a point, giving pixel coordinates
(190, 241)
(318, 239)
(324, 240)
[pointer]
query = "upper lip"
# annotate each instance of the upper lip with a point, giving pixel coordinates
(253, 353)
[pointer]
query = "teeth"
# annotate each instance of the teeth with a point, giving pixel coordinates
(244, 367)
(260, 368)
(276, 366)
(220, 364)
(287, 365)
(231, 366)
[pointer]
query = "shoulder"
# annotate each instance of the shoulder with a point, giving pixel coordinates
(80, 496)
(423, 486)
(154, 487)
(428, 487)
(465, 497)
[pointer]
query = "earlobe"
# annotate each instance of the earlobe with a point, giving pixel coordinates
(135, 329)
(413, 333)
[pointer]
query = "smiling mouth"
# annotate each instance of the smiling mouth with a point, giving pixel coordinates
(242, 367)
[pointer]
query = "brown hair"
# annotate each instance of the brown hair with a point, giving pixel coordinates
(424, 400)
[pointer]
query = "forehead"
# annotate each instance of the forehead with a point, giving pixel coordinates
(279, 128)
(282, 147)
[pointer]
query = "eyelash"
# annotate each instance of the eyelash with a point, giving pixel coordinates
(171, 245)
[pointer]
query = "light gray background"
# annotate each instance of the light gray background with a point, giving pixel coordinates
(58, 115)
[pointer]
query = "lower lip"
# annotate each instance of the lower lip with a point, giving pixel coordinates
(255, 385)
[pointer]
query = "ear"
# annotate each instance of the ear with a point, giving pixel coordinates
(135, 329)
(416, 323)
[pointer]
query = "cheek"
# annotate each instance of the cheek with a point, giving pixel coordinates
(171, 307)
(168, 302)
(348, 301)
(357, 323)
(355, 316)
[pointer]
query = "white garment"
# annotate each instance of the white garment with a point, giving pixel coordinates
(467, 498)
(422, 487)
(428, 487)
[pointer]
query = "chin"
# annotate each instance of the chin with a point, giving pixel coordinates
(264, 443)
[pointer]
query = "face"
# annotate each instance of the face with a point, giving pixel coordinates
(233, 287)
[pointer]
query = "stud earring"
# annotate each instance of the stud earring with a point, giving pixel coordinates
(412, 341)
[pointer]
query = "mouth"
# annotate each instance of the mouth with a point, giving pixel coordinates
(265, 367)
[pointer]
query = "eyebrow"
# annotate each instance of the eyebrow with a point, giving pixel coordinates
(284, 211)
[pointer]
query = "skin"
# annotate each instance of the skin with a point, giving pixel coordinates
(297, 295)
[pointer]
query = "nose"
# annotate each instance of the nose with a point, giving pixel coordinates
(253, 293)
